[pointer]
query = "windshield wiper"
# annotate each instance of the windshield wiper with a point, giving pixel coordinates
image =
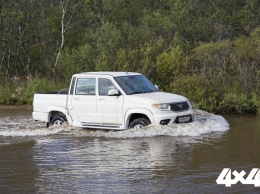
(149, 91)
(135, 93)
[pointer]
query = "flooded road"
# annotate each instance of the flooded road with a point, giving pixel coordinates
(183, 158)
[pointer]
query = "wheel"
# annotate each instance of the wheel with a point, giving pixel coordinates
(57, 121)
(139, 123)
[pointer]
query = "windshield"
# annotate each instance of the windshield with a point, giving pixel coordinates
(136, 84)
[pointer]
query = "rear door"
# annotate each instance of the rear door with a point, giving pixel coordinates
(84, 101)
(109, 108)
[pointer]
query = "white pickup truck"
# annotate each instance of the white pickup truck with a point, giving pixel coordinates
(111, 100)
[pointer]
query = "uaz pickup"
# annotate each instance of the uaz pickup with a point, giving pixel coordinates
(111, 100)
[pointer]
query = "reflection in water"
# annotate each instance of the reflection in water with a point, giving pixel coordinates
(17, 168)
(113, 165)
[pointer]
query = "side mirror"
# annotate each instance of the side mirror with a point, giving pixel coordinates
(157, 87)
(113, 92)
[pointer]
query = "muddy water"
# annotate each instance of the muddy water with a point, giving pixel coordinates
(184, 158)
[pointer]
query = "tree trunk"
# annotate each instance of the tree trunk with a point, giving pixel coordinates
(63, 30)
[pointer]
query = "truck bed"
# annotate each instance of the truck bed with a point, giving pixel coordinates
(43, 102)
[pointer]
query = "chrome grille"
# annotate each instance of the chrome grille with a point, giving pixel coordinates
(180, 106)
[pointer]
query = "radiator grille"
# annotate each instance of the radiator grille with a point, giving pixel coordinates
(180, 106)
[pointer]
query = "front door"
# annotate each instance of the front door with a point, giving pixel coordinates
(84, 101)
(109, 108)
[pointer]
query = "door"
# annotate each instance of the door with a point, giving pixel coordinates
(109, 108)
(84, 101)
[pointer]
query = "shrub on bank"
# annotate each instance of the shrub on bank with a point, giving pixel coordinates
(22, 93)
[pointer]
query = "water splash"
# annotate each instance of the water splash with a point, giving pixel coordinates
(22, 126)
(204, 123)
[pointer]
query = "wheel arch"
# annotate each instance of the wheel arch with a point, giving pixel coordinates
(57, 111)
(53, 114)
(133, 114)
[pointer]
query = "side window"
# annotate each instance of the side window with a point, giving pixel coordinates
(104, 86)
(86, 86)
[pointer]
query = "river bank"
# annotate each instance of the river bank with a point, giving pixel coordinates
(13, 110)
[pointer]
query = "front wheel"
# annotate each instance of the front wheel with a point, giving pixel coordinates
(57, 121)
(139, 123)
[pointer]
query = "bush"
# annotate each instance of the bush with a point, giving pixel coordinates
(22, 93)
(233, 102)
(256, 102)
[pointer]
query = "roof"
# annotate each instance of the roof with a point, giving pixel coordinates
(111, 73)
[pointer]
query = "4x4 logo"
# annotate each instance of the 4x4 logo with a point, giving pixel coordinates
(225, 177)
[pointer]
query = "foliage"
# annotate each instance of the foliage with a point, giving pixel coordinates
(171, 65)
(208, 51)
(233, 69)
(21, 92)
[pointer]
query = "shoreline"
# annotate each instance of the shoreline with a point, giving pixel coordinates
(15, 106)
(13, 110)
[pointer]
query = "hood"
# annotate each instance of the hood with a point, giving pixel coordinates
(161, 97)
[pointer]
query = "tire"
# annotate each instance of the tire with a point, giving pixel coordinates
(139, 123)
(57, 121)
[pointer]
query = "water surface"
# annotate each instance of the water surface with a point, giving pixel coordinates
(183, 158)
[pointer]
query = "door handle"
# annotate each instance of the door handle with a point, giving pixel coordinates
(101, 99)
(76, 98)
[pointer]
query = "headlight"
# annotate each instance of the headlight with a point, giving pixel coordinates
(163, 106)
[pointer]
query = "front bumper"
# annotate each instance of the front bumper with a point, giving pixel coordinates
(169, 117)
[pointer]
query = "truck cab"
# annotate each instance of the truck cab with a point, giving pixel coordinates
(112, 100)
